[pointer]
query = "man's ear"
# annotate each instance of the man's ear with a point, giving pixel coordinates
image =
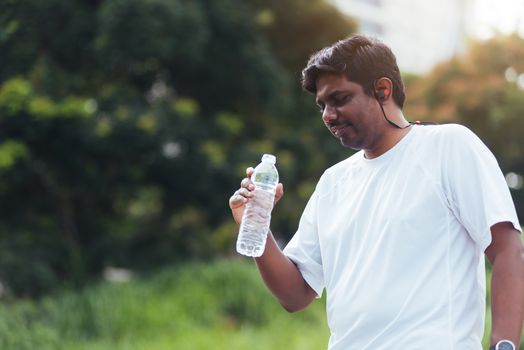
(383, 88)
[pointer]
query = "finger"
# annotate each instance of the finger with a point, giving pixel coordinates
(248, 184)
(249, 171)
(280, 189)
(241, 195)
(279, 192)
(237, 200)
(246, 192)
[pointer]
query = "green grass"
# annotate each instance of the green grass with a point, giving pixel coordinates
(195, 306)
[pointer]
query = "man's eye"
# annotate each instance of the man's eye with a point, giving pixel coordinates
(339, 101)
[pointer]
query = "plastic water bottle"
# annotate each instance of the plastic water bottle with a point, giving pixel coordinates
(257, 214)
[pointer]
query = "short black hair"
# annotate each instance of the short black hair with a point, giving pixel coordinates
(363, 60)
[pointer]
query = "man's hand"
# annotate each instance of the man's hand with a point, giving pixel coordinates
(239, 199)
(279, 273)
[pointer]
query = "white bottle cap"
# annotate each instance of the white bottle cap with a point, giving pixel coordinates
(269, 158)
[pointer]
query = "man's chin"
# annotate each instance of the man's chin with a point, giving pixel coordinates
(351, 145)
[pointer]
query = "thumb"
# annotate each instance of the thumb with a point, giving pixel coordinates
(279, 192)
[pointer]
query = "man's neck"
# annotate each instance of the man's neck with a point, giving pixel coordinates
(390, 139)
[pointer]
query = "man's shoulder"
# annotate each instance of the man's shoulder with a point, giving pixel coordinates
(445, 135)
(449, 143)
(444, 130)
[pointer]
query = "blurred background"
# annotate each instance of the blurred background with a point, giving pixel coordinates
(125, 125)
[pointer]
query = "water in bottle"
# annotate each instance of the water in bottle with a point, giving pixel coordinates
(257, 214)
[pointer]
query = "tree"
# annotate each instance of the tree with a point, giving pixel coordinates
(484, 90)
(125, 125)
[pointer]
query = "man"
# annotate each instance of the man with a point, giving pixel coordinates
(396, 233)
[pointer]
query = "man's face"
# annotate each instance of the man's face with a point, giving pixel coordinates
(350, 114)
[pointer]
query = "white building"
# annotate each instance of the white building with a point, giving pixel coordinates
(420, 33)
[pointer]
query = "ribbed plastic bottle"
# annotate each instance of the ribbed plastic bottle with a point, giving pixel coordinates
(254, 228)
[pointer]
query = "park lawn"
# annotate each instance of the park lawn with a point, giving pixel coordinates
(220, 305)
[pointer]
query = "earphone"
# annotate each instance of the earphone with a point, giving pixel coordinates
(382, 94)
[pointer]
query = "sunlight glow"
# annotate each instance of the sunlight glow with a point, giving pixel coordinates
(498, 16)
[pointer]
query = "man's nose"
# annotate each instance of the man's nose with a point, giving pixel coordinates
(329, 114)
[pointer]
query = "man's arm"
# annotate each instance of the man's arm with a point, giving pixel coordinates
(506, 254)
(279, 273)
(283, 278)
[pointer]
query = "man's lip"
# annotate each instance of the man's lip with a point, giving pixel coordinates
(338, 129)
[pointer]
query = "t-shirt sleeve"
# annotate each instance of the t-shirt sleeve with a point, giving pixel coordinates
(304, 248)
(475, 186)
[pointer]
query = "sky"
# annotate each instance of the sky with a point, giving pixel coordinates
(504, 16)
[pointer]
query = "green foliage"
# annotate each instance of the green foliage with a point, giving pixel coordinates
(14, 96)
(222, 305)
(9, 152)
(126, 45)
(126, 125)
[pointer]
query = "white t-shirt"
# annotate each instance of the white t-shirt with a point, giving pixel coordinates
(398, 242)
